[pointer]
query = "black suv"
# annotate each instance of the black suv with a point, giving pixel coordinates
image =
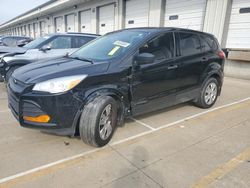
(122, 74)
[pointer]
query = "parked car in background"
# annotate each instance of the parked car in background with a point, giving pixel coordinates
(47, 47)
(14, 41)
(119, 75)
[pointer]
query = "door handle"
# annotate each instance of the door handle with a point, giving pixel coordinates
(172, 67)
(204, 59)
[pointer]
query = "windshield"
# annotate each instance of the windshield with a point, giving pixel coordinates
(35, 43)
(109, 46)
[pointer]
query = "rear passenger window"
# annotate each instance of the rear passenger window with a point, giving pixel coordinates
(162, 47)
(208, 43)
(61, 42)
(189, 44)
(80, 41)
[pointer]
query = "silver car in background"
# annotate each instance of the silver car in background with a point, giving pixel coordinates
(46, 47)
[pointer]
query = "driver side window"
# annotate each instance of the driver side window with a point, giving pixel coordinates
(161, 47)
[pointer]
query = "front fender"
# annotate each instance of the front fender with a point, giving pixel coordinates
(120, 97)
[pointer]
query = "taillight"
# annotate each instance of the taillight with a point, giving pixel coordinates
(221, 54)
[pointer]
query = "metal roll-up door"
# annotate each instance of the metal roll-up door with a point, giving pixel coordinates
(239, 26)
(85, 21)
(185, 14)
(136, 13)
(58, 24)
(106, 19)
(42, 28)
(36, 33)
(70, 23)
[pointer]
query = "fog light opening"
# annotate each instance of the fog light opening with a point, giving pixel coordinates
(38, 119)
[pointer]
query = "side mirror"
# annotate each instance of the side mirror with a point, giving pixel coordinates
(45, 48)
(144, 58)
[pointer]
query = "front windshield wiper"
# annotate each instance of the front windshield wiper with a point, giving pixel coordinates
(81, 59)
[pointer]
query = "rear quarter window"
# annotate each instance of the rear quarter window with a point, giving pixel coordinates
(189, 44)
(208, 43)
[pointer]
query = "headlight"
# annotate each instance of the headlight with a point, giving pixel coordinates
(59, 85)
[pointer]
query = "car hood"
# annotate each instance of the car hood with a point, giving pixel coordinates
(6, 49)
(45, 70)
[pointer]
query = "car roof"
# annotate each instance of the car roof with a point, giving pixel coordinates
(75, 34)
(160, 29)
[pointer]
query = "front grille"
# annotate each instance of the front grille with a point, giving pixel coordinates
(30, 108)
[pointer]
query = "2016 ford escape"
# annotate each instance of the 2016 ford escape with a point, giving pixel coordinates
(119, 75)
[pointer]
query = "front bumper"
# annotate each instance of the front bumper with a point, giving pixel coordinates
(64, 109)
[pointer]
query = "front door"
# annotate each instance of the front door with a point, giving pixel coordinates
(153, 85)
(60, 46)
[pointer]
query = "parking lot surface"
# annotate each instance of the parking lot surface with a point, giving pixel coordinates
(182, 146)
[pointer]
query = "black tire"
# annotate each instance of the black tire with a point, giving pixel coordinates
(201, 101)
(9, 72)
(89, 127)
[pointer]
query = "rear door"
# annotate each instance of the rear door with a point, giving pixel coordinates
(190, 60)
(153, 85)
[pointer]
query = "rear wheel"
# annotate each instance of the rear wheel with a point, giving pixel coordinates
(208, 94)
(9, 72)
(98, 121)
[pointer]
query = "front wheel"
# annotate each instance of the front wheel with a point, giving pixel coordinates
(208, 94)
(98, 121)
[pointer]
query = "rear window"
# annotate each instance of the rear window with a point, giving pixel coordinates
(189, 44)
(208, 43)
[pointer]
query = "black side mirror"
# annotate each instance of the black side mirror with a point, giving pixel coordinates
(144, 58)
(45, 48)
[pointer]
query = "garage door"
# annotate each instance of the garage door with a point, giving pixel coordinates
(58, 24)
(85, 21)
(239, 26)
(70, 23)
(185, 14)
(31, 30)
(36, 32)
(136, 13)
(106, 19)
(42, 28)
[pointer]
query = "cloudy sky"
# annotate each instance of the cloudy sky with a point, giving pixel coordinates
(12, 8)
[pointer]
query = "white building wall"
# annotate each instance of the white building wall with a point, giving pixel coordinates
(216, 16)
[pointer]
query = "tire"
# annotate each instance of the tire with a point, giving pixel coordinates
(208, 94)
(9, 72)
(92, 129)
